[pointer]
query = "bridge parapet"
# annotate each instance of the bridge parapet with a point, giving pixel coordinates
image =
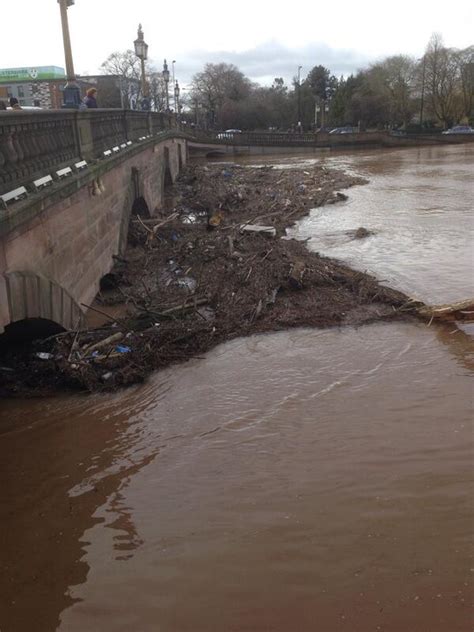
(319, 140)
(34, 144)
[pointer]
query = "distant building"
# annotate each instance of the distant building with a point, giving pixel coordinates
(42, 87)
(38, 86)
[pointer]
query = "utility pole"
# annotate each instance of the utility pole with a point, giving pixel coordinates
(422, 90)
(71, 93)
(299, 95)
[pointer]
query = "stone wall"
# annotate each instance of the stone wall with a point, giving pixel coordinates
(53, 260)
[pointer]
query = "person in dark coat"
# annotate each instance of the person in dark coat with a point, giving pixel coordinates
(3, 105)
(90, 100)
(14, 104)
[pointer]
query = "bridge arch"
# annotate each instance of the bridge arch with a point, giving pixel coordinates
(34, 296)
(140, 207)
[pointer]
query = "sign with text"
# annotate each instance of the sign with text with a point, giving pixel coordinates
(34, 73)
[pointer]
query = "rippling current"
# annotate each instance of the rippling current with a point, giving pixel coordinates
(313, 481)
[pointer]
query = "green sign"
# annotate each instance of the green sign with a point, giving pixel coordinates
(34, 73)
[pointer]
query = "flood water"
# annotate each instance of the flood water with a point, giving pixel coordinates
(419, 204)
(305, 481)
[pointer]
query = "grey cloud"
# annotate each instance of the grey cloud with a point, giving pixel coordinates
(271, 59)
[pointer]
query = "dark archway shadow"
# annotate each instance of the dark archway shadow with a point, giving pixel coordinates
(168, 179)
(140, 207)
(23, 332)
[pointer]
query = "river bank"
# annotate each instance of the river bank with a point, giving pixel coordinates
(214, 266)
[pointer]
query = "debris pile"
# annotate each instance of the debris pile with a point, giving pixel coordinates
(215, 265)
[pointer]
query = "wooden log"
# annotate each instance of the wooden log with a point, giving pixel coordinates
(103, 343)
(462, 310)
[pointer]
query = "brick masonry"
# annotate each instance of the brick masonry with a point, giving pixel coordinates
(53, 262)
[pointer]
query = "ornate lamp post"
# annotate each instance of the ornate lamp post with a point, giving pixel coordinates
(141, 51)
(166, 79)
(176, 99)
(173, 80)
(72, 92)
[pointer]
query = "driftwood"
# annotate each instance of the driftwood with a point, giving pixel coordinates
(256, 228)
(152, 231)
(103, 343)
(295, 276)
(177, 308)
(462, 310)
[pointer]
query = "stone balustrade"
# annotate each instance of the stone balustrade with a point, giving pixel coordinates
(284, 139)
(36, 143)
(325, 139)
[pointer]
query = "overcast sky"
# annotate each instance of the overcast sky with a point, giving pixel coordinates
(265, 39)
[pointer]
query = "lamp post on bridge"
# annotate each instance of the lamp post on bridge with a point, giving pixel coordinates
(166, 79)
(173, 80)
(176, 100)
(141, 51)
(71, 92)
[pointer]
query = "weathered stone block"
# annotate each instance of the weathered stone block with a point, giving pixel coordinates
(32, 299)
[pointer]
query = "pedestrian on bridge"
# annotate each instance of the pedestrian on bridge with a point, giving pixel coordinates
(14, 104)
(90, 100)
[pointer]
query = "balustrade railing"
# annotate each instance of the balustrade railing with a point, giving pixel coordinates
(285, 139)
(108, 129)
(34, 144)
(31, 144)
(256, 138)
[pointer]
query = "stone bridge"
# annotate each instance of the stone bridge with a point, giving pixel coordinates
(68, 184)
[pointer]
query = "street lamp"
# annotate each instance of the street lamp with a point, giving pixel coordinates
(176, 99)
(299, 96)
(166, 79)
(71, 92)
(172, 76)
(141, 51)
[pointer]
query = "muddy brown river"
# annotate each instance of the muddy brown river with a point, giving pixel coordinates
(305, 481)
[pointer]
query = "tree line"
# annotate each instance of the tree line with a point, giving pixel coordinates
(397, 92)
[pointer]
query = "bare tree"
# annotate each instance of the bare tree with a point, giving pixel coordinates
(157, 88)
(443, 82)
(219, 83)
(395, 80)
(466, 72)
(126, 66)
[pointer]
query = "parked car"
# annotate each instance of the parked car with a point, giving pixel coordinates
(460, 129)
(229, 133)
(398, 132)
(343, 130)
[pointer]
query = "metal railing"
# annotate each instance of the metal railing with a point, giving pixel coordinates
(33, 144)
(285, 139)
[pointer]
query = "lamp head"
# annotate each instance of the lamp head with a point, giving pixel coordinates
(141, 48)
(166, 72)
